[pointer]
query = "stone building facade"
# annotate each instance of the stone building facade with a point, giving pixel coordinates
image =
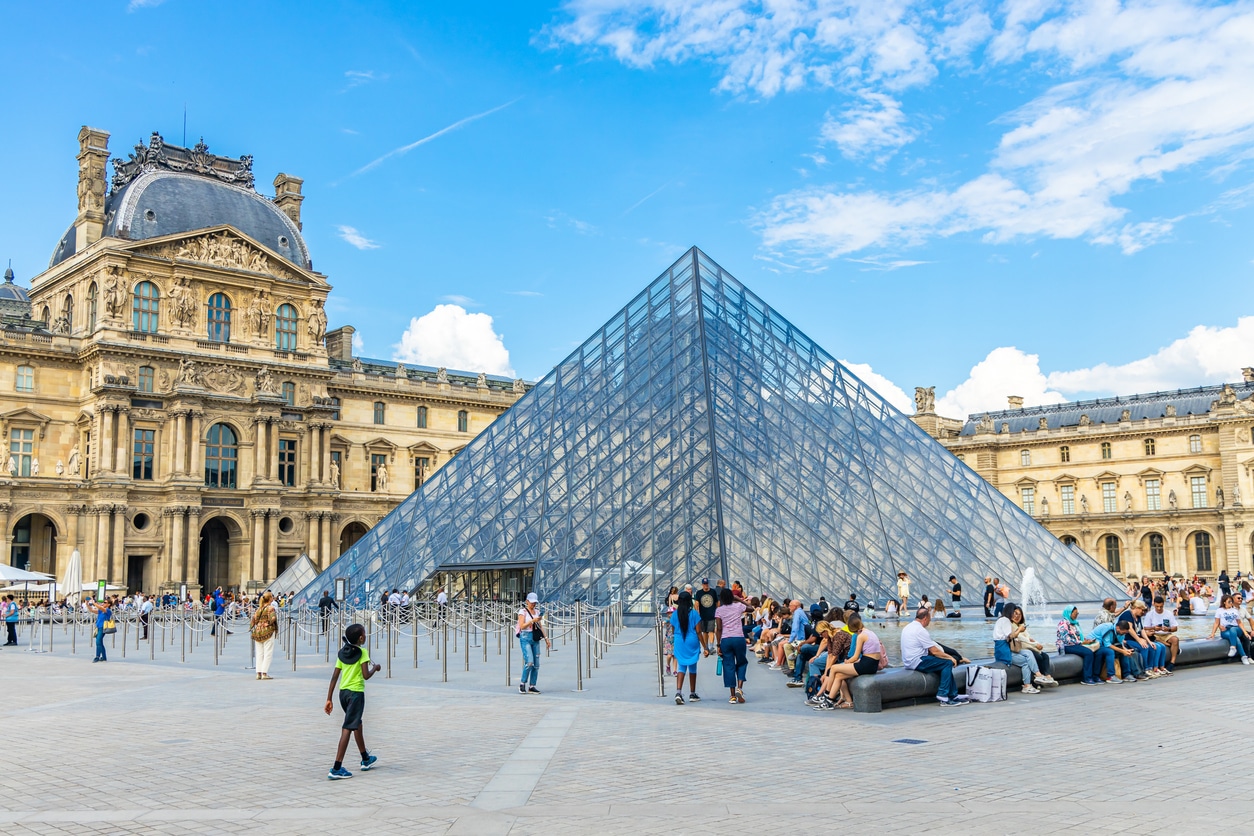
(1145, 484)
(172, 402)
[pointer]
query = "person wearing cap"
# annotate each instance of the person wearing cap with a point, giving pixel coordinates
(903, 590)
(530, 632)
(707, 602)
(955, 593)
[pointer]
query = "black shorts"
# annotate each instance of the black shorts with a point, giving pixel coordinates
(708, 625)
(865, 666)
(354, 705)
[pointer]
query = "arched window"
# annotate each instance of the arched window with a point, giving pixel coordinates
(1068, 540)
(1149, 446)
(221, 455)
(1064, 454)
(219, 318)
(145, 378)
(93, 294)
(68, 310)
(1201, 551)
(1157, 553)
(1025, 457)
(289, 392)
(379, 408)
(1195, 444)
(144, 307)
(1106, 450)
(463, 421)
(285, 328)
(47, 315)
(422, 417)
(25, 379)
(1113, 564)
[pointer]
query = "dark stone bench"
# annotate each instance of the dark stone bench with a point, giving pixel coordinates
(899, 686)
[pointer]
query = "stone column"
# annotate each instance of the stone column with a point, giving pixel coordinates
(312, 532)
(259, 536)
(178, 443)
(315, 453)
(272, 450)
(191, 560)
(125, 443)
(270, 556)
(178, 546)
(100, 559)
(105, 444)
(117, 564)
(327, 546)
(157, 457)
(197, 449)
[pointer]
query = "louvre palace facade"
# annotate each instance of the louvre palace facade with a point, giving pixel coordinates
(174, 405)
(1145, 484)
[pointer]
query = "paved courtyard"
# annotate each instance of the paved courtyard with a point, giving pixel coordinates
(140, 746)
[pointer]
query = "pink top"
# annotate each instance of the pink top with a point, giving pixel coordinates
(730, 616)
(871, 644)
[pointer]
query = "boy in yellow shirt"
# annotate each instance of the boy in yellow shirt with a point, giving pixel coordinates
(354, 661)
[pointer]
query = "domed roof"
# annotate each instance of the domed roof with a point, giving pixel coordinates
(11, 292)
(150, 200)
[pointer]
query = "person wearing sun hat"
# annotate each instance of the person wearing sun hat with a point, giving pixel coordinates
(530, 632)
(903, 590)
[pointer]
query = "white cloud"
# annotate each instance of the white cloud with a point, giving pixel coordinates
(1005, 371)
(524, 293)
(356, 78)
(451, 337)
(457, 299)
(886, 389)
(352, 236)
(136, 5)
(359, 345)
(874, 127)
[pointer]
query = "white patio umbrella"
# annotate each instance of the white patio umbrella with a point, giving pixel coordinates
(13, 574)
(72, 580)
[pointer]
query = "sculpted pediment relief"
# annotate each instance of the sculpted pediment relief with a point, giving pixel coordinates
(226, 247)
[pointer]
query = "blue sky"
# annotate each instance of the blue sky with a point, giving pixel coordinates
(1041, 198)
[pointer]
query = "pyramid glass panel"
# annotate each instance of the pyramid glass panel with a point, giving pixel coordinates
(699, 433)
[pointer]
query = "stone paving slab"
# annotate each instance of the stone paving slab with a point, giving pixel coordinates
(194, 748)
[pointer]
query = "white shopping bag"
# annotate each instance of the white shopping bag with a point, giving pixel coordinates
(986, 684)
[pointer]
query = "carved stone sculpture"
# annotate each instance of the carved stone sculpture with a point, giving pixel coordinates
(482, 381)
(1227, 396)
(1126, 415)
(12, 465)
(265, 383)
(114, 293)
(357, 365)
(1236, 496)
(1219, 496)
(519, 387)
(60, 468)
(1044, 506)
(1085, 420)
(441, 375)
(317, 324)
(1172, 502)
(400, 371)
(1084, 504)
(924, 399)
(223, 378)
(74, 463)
(335, 473)
(189, 374)
(1042, 424)
(1127, 501)
(183, 303)
(1170, 411)
(258, 313)
(34, 469)
(381, 478)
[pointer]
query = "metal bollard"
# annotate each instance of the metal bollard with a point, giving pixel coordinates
(469, 621)
(657, 646)
(444, 655)
(578, 648)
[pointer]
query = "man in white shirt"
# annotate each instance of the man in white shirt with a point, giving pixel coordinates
(145, 613)
(404, 599)
(920, 653)
(1160, 625)
(441, 598)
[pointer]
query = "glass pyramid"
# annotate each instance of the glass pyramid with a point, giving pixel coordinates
(699, 433)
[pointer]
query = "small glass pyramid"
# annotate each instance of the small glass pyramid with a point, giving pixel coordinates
(699, 433)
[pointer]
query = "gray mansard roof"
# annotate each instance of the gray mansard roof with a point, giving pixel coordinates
(158, 203)
(1195, 401)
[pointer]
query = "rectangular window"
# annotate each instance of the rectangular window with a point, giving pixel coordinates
(1068, 499)
(377, 460)
(335, 402)
(142, 453)
(1106, 451)
(1195, 444)
(1198, 484)
(422, 417)
(145, 378)
(378, 412)
(21, 448)
(1029, 499)
(422, 466)
(26, 378)
(1110, 504)
(463, 421)
(1064, 454)
(287, 461)
(1153, 495)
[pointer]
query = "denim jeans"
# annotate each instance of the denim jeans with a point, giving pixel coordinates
(1234, 636)
(100, 650)
(1086, 659)
(804, 654)
(944, 667)
(735, 663)
(1158, 655)
(531, 658)
(1104, 655)
(1026, 663)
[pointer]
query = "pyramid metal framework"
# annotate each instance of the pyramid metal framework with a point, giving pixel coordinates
(700, 434)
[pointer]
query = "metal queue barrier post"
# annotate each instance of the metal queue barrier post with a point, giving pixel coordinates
(444, 643)
(578, 648)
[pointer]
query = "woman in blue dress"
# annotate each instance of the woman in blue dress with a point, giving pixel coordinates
(687, 648)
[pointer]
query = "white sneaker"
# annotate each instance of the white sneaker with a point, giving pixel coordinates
(1232, 651)
(1028, 689)
(1245, 660)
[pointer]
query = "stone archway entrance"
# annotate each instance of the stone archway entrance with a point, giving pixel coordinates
(215, 555)
(352, 532)
(34, 544)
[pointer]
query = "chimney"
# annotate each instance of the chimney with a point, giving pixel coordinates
(1248, 374)
(287, 196)
(1015, 401)
(340, 343)
(93, 153)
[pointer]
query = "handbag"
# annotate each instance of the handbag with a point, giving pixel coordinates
(986, 684)
(108, 626)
